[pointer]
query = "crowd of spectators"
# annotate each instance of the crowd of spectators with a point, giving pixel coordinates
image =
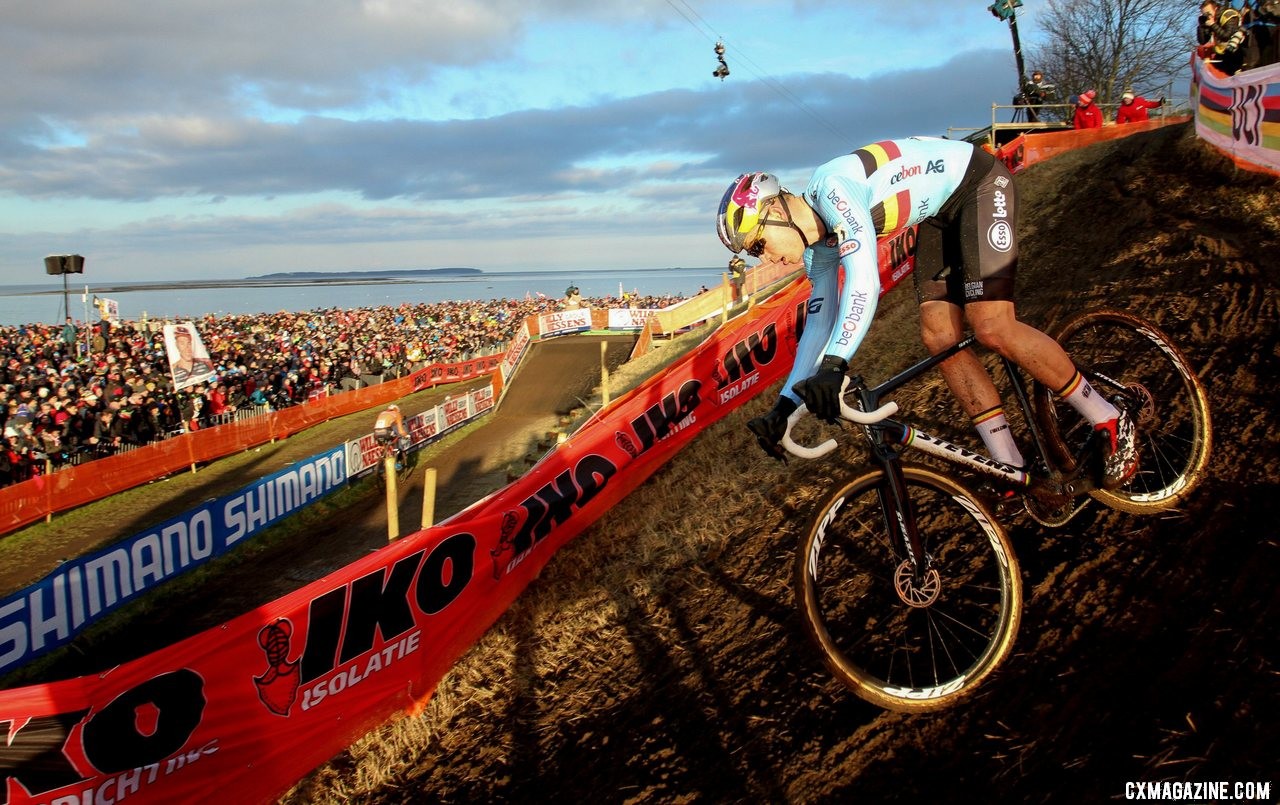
(69, 394)
(1239, 39)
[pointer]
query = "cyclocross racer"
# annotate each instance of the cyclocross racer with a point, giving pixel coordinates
(965, 203)
(389, 426)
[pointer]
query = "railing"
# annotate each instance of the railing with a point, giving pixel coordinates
(1066, 111)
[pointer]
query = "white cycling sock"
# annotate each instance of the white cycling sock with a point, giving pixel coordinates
(996, 435)
(1086, 399)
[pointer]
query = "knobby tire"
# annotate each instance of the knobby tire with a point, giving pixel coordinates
(1133, 363)
(909, 658)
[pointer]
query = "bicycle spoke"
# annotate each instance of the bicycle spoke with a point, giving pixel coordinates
(1134, 364)
(925, 645)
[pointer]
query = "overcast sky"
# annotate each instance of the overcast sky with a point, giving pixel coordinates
(226, 138)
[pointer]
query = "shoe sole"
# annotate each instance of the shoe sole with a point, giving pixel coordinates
(1112, 485)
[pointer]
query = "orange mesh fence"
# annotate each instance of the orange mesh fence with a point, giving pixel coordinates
(1028, 149)
(762, 276)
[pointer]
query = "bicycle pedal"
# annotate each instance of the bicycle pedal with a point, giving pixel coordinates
(997, 494)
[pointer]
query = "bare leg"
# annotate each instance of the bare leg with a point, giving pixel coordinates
(997, 327)
(941, 326)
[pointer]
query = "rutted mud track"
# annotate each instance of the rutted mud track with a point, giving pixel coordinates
(659, 658)
(1147, 649)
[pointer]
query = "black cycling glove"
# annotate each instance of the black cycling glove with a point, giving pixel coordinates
(770, 427)
(821, 391)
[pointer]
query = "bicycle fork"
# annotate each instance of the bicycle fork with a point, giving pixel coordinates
(915, 579)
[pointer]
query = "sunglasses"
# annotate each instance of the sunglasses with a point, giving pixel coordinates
(756, 247)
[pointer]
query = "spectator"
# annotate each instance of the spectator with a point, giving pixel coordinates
(1220, 36)
(282, 357)
(1087, 115)
(15, 467)
(77, 429)
(1261, 44)
(1035, 93)
(69, 336)
(101, 336)
(219, 410)
(108, 432)
(1133, 108)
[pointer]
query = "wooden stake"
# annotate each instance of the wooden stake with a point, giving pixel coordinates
(429, 497)
(604, 373)
(393, 510)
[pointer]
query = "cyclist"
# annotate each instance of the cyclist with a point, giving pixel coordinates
(389, 427)
(965, 203)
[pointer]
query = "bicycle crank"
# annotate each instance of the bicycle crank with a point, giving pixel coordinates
(916, 593)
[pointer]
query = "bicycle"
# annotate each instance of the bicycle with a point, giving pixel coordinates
(402, 459)
(906, 581)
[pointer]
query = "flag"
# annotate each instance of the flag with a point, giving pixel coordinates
(189, 362)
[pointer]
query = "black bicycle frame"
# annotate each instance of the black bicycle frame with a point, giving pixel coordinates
(888, 435)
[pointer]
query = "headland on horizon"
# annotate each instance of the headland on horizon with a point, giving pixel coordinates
(397, 273)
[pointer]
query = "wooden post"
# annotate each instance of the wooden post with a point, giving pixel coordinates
(726, 297)
(604, 373)
(429, 497)
(393, 511)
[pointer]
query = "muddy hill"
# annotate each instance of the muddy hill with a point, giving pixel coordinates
(660, 658)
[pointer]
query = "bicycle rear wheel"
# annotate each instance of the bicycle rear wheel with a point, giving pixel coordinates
(923, 648)
(1137, 366)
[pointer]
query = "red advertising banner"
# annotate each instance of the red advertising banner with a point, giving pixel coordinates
(519, 343)
(244, 710)
(241, 712)
(424, 426)
(362, 454)
(455, 411)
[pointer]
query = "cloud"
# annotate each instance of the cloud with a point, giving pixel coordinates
(525, 154)
(189, 132)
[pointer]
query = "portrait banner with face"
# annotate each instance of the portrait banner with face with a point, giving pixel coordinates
(189, 361)
(108, 309)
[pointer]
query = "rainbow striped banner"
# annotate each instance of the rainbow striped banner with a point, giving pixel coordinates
(1239, 114)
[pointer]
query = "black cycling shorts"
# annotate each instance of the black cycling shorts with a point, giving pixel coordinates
(968, 252)
(384, 435)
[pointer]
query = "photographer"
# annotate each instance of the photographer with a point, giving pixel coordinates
(1220, 36)
(1035, 93)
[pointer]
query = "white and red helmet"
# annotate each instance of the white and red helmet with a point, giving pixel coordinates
(740, 209)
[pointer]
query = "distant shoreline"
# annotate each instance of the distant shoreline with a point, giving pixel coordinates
(283, 281)
(396, 273)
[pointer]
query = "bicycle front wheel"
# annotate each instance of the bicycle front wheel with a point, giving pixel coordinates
(901, 639)
(1134, 364)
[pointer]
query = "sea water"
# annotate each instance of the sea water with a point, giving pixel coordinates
(46, 302)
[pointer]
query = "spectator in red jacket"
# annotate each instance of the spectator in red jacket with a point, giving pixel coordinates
(1088, 115)
(217, 398)
(1133, 108)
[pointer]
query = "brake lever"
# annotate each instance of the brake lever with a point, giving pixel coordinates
(847, 412)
